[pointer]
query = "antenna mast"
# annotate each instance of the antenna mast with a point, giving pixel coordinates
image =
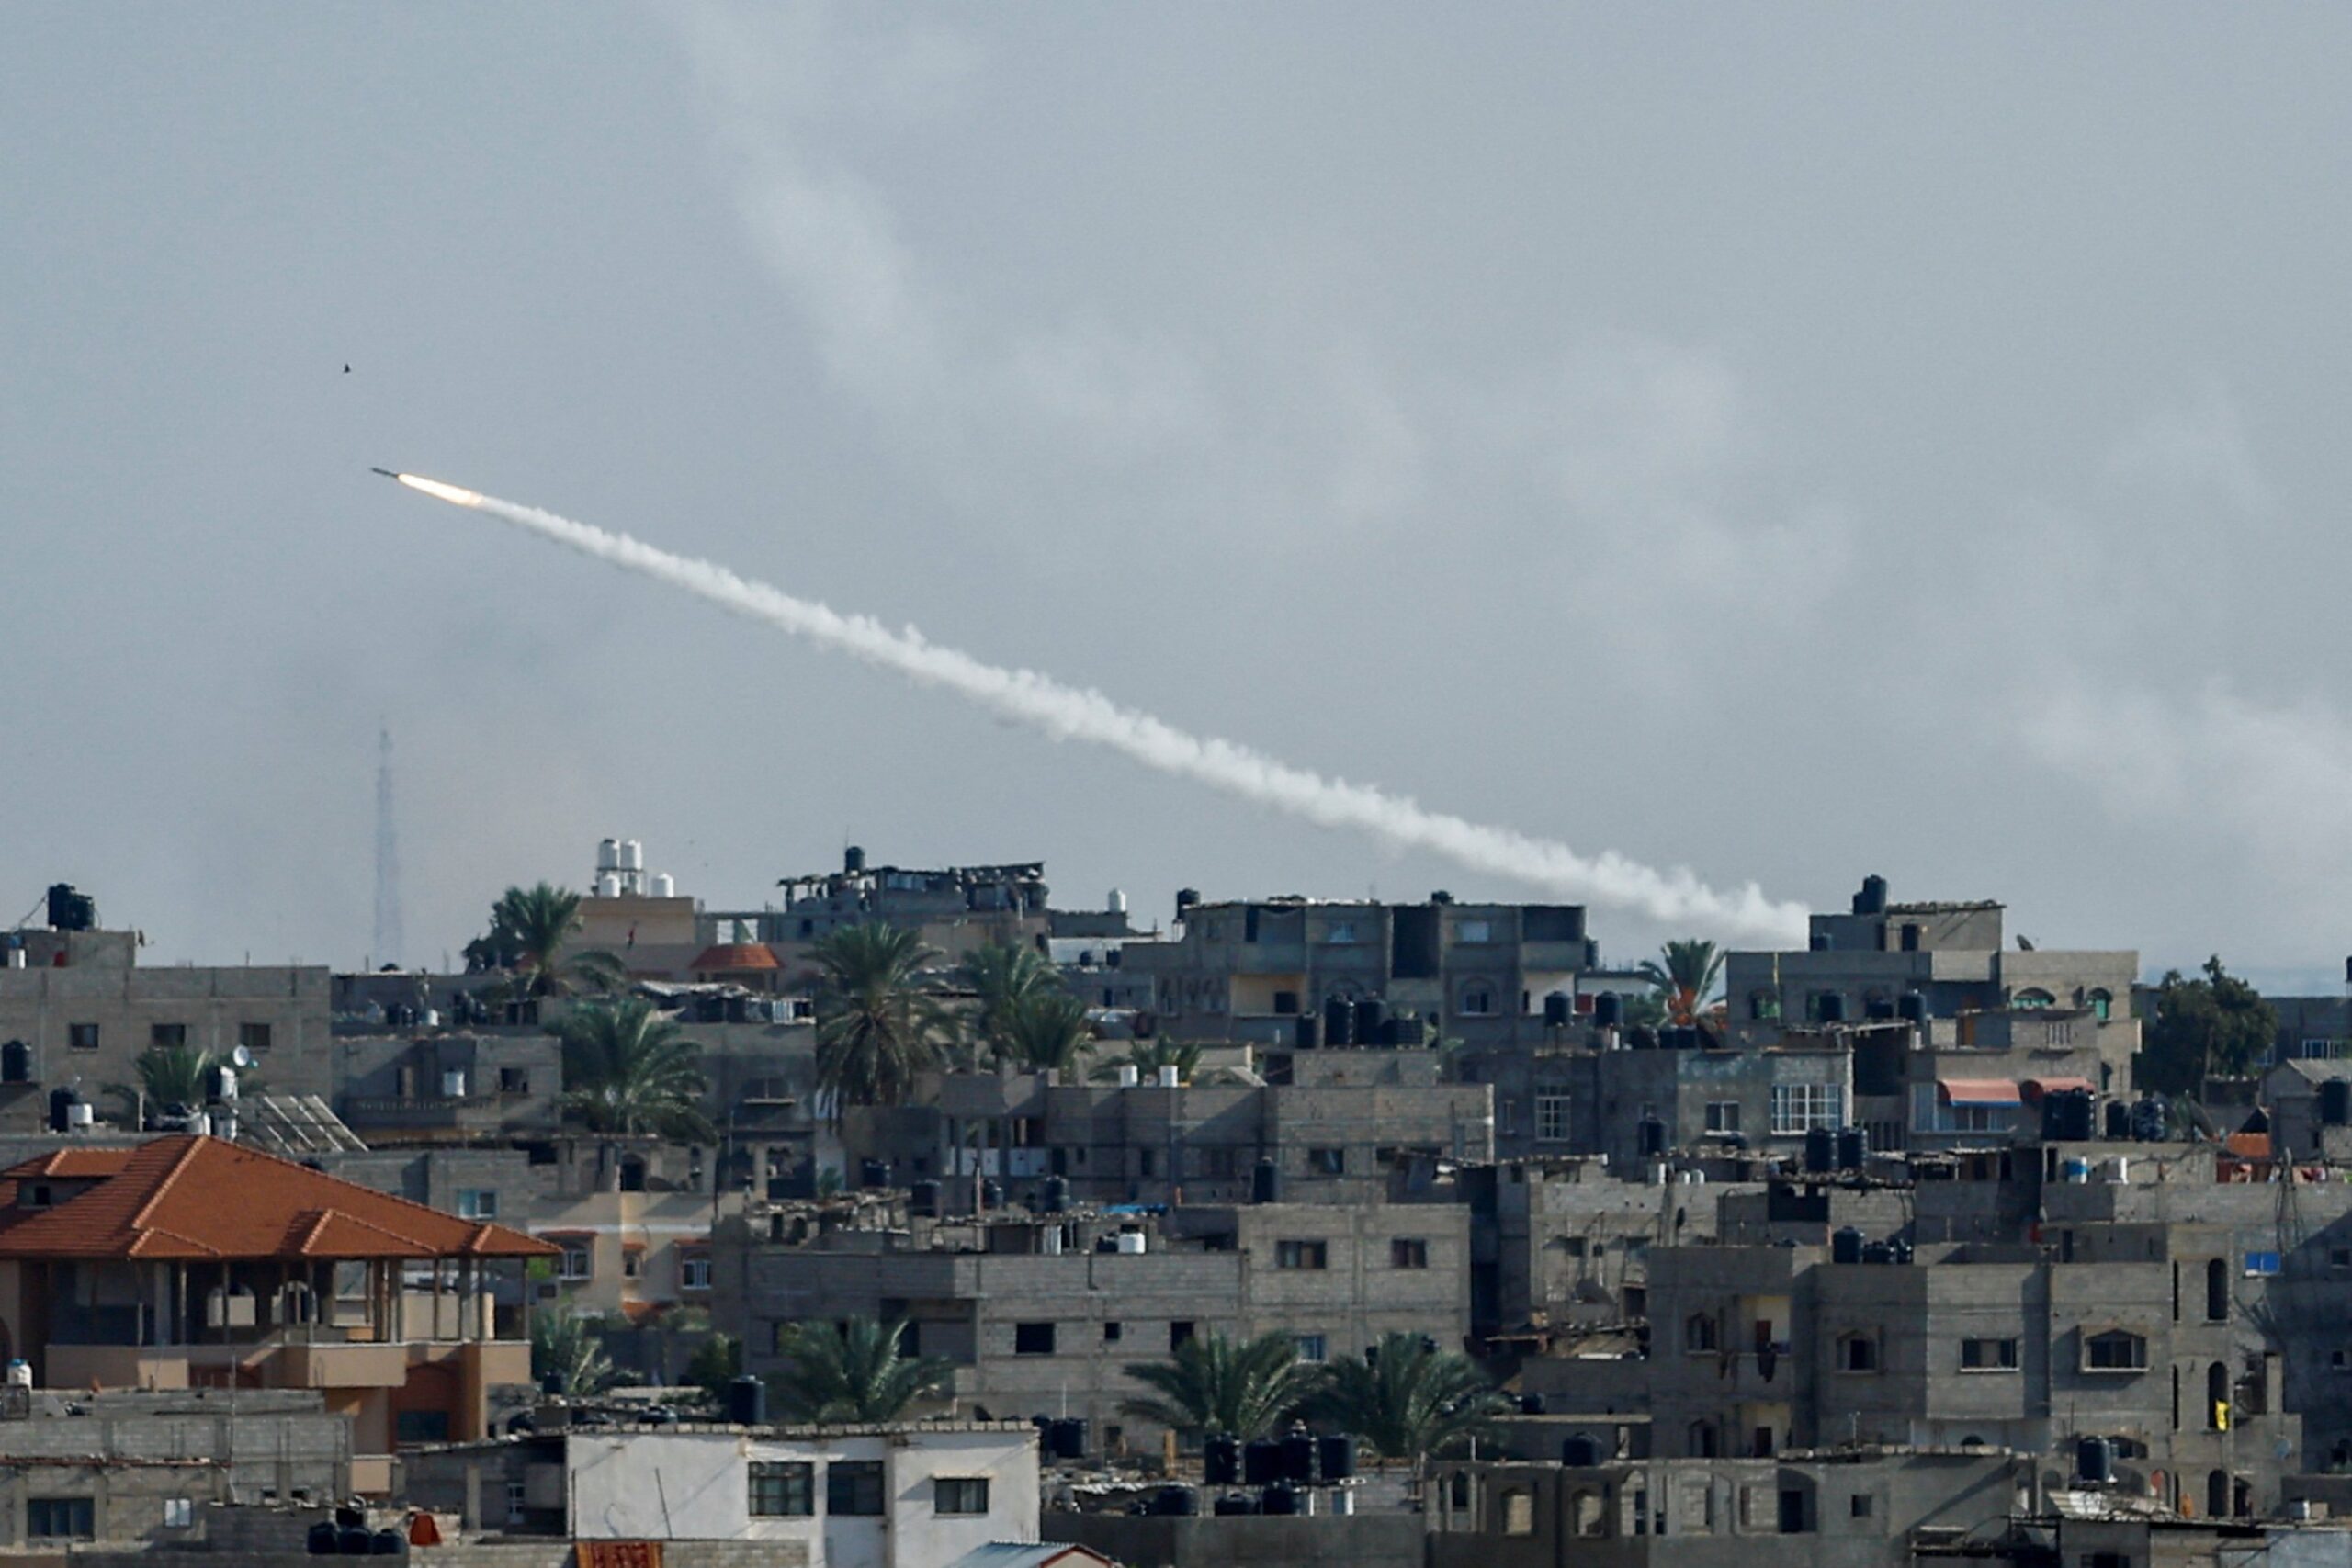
(387, 858)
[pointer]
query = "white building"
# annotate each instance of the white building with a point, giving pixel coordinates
(898, 1497)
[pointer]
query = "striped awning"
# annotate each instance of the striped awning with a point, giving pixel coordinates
(1976, 1091)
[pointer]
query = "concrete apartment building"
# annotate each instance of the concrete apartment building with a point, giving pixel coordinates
(141, 1467)
(1041, 1314)
(76, 1010)
(1594, 1093)
(192, 1262)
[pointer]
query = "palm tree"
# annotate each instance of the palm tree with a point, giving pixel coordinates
(1407, 1400)
(1002, 977)
(566, 1347)
(1686, 980)
(1048, 1032)
(1240, 1388)
(528, 929)
(628, 1070)
(856, 1373)
(1147, 1056)
(877, 1024)
(168, 1075)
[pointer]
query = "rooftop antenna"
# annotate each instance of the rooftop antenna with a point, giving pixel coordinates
(387, 858)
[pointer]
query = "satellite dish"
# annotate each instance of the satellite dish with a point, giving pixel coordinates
(241, 1057)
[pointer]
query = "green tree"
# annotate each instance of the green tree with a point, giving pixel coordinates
(567, 1348)
(2217, 1026)
(1213, 1383)
(1147, 1056)
(168, 1075)
(528, 930)
(856, 1373)
(1685, 982)
(1407, 1400)
(716, 1363)
(1048, 1030)
(1004, 977)
(629, 1069)
(878, 1023)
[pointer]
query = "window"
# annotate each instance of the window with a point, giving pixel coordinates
(478, 1203)
(2101, 1003)
(2116, 1350)
(179, 1513)
(632, 1262)
(167, 1036)
(2257, 1264)
(513, 1080)
(1313, 1347)
(1326, 1162)
(1477, 1001)
(575, 1264)
(959, 1494)
(60, 1518)
(1341, 932)
(694, 1272)
(1033, 1339)
(1801, 1107)
(1792, 1511)
(1551, 1118)
(253, 1037)
(1859, 1506)
(1723, 1116)
(1698, 1332)
(783, 1490)
(1857, 1353)
(1302, 1254)
(1519, 1512)
(1409, 1252)
(1764, 1007)
(2032, 999)
(81, 1036)
(15, 1062)
(1112, 1333)
(1475, 931)
(1988, 1355)
(515, 1502)
(854, 1486)
(1179, 1332)
(420, 1426)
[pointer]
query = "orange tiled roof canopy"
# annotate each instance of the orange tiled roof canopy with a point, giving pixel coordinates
(187, 1197)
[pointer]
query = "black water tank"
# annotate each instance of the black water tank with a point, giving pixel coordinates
(2335, 1101)
(353, 1541)
(1580, 1451)
(1820, 1151)
(1608, 1011)
(923, 1200)
(1307, 1032)
(1530, 1404)
(873, 1173)
(2067, 1116)
(1912, 1007)
(854, 859)
(1279, 1500)
(1175, 1502)
(1871, 899)
(1339, 1023)
(1057, 1195)
(991, 1194)
(1898, 1251)
(1335, 1456)
(1853, 1147)
(72, 911)
(387, 1543)
(1237, 1504)
(1187, 899)
(2150, 1119)
(1878, 1007)
(1371, 1021)
(1265, 1182)
(60, 1101)
(1846, 1245)
(1262, 1461)
(1832, 1006)
(1298, 1457)
(2118, 1120)
(1066, 1436)
(1877, 1252)
(1558, 1008)
(323, 1539)
(747, 1402)
(2094, 1460)
(1221, 1460)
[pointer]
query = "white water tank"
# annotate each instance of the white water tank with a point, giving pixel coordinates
(632, 855)
(1050, 1238)
(1167, 1076)
(608, 885)
(1132, 1242)
(16, 957)
(608, 854)
(80, 1114)
(664, 885)
(1118, 903)
(1127, 1075)
(453, 1084)
(430, 1018)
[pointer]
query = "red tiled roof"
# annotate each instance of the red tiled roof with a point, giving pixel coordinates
(187, 1197)
(734, 957)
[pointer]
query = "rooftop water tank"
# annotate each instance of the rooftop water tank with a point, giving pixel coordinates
(1133, 1244)
(608, 854)
(632, 855)
(1118, 903)
(664, 885)
(608, 885)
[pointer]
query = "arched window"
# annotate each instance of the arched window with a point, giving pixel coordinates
(2031, 997)
(2217, 1292)
(1588, 1514)
(1519, 1511)
(2217, 1495)
(2217, 1397)
(632, 1173)
(15, 1062)
(2101, 1002)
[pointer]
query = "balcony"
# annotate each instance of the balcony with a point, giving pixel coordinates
(460, 1114)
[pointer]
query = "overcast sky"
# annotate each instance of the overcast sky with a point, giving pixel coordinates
(1791, 441)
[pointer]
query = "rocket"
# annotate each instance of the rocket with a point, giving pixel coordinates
(385, 472)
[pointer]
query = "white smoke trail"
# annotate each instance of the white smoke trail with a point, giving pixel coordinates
(1669, 897)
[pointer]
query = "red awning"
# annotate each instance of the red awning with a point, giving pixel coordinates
(1976, 1091)
(2035, 1087)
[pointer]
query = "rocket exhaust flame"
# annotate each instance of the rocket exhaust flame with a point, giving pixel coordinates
(1669, 897)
